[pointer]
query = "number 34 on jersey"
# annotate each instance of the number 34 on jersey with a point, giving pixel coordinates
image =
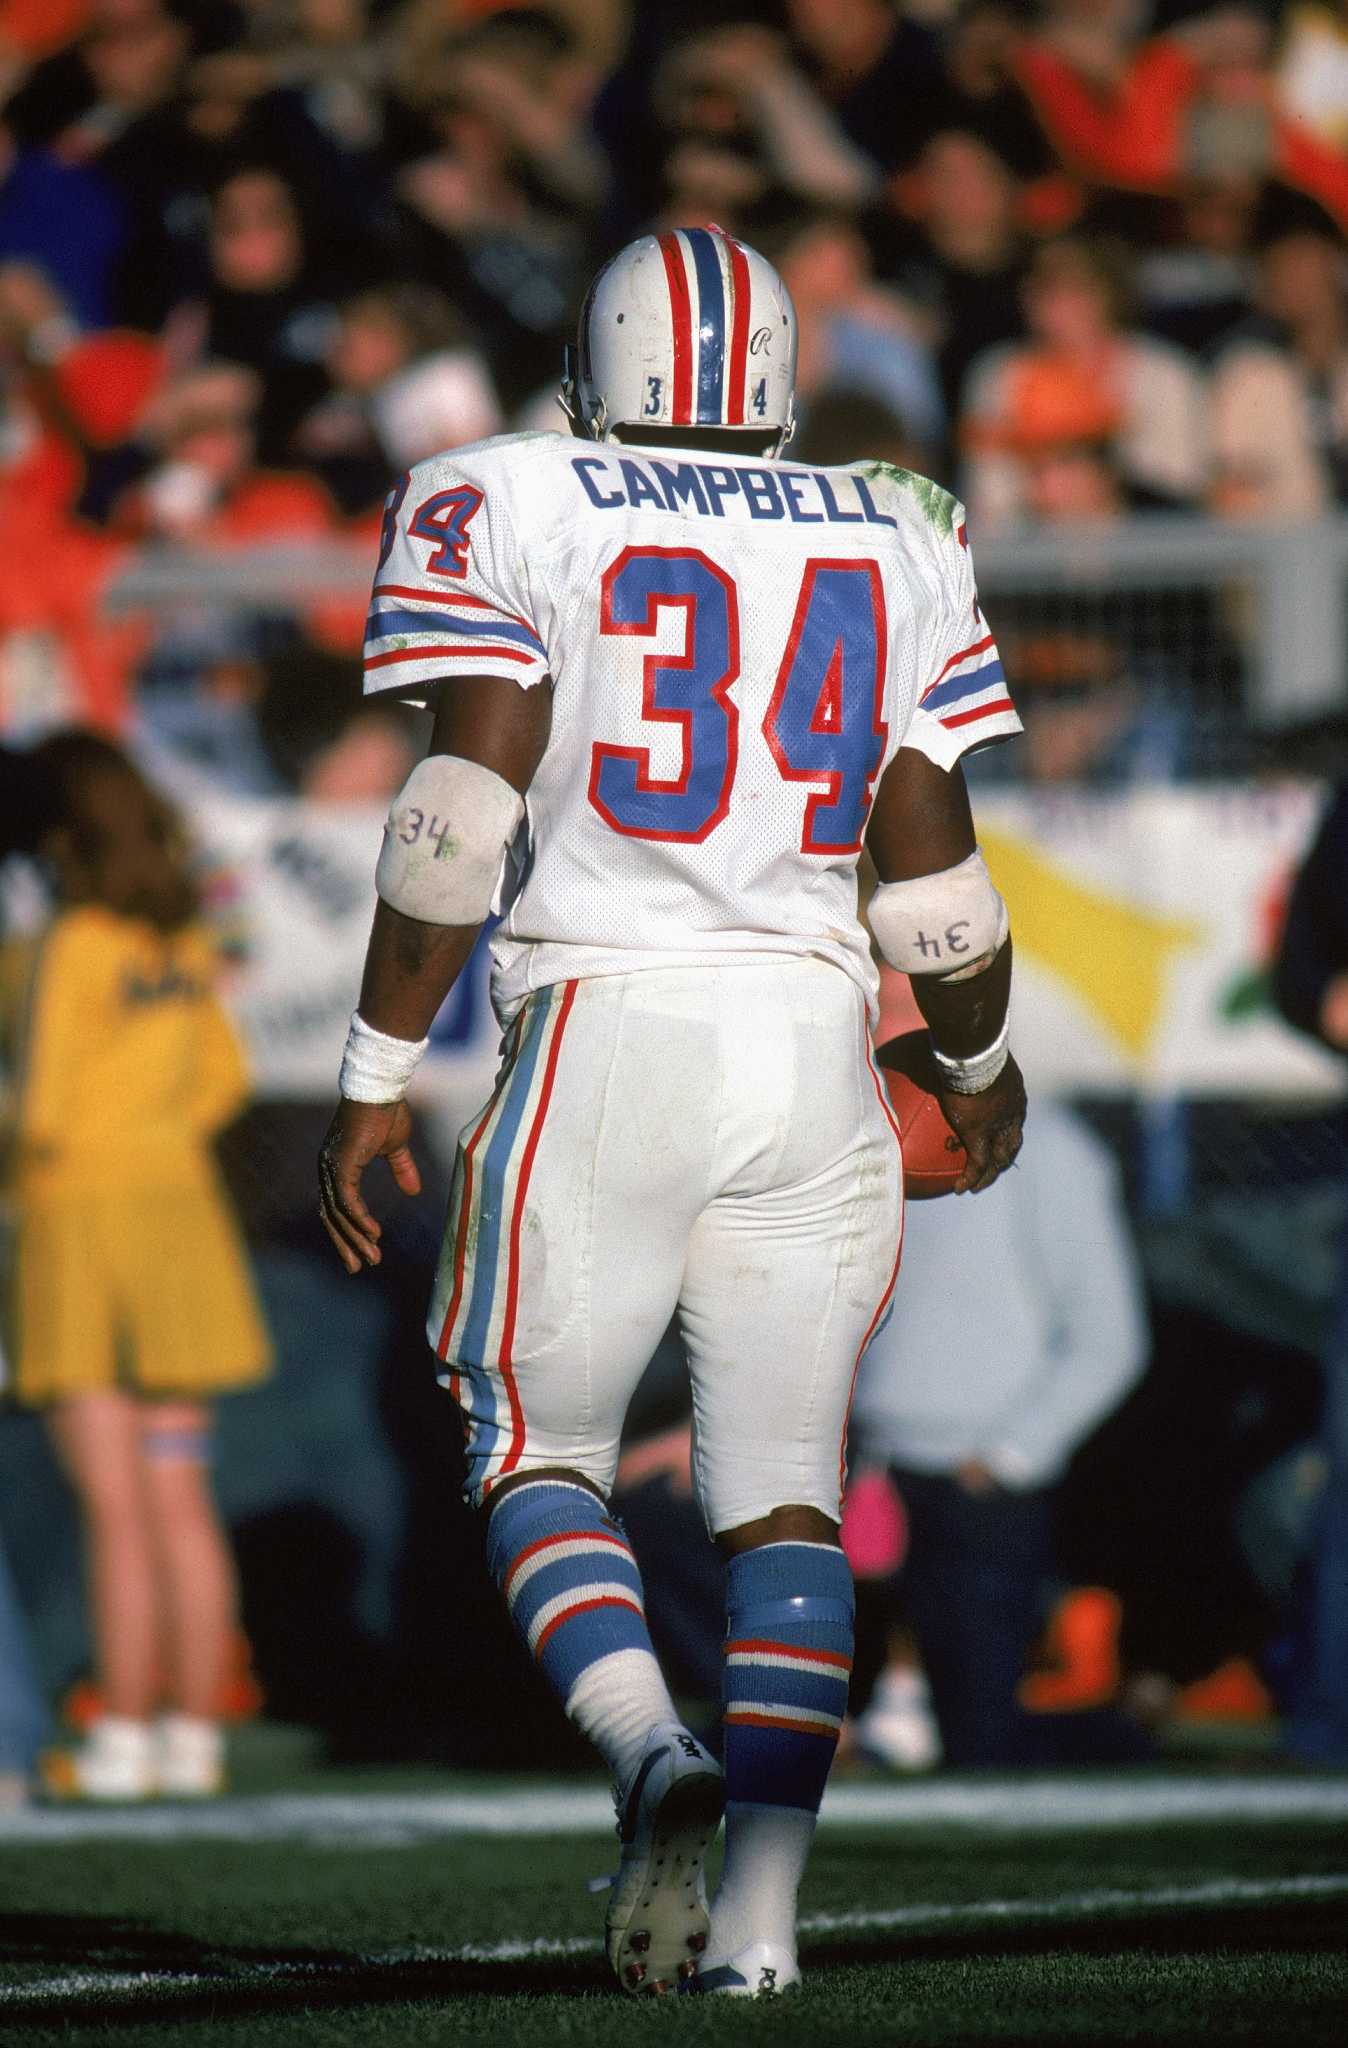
(824, 723)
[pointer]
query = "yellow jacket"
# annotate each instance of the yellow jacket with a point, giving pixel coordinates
(120, 1059)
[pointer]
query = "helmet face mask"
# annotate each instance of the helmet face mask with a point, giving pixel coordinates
(688, 329)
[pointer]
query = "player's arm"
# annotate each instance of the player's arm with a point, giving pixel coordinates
(443, 845)
(937, 918)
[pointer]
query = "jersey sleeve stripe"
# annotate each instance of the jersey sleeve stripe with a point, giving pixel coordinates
(460, 598)
(999, 704)
(677, 279)
(968, 685)
(441, 654)
(382, 625)
(965, 654)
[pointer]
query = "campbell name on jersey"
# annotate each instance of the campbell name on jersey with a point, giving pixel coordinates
(737, 650)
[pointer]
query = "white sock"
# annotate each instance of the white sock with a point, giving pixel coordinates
(766, 1848)
(192, 1741)
(118, 1737)
(617, 1701)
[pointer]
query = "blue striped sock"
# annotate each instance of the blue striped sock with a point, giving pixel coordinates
(787, 1657)
(573, 1590)
(788, 1654)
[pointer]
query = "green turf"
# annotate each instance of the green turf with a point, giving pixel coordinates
(1261, 1974)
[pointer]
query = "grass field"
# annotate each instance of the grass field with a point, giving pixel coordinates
(380, 1909)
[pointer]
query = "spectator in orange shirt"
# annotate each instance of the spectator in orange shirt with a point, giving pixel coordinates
(1078, 295)
(1142, 118)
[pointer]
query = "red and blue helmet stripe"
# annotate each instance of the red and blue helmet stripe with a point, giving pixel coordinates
(708, 278)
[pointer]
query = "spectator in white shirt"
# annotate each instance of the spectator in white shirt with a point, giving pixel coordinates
(1018, 1326)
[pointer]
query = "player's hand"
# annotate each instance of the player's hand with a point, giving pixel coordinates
(360, 1132)
(990, 1126)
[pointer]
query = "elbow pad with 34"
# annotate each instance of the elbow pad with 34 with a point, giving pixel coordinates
(445, 839)
(940, 924)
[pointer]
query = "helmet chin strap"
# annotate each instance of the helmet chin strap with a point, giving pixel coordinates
(591, 424)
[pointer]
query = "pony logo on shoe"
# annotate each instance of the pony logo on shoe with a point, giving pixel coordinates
(762, 1970)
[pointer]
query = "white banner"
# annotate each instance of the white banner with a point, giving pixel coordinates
(290, 892)
(1145, 925)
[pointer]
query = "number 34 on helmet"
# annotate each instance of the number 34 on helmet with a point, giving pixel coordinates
(685, 329)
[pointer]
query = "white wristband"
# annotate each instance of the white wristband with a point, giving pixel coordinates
(971, 1076)
(375, 1067)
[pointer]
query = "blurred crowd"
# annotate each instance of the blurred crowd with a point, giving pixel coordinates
(1079, 259)
(1084, 261)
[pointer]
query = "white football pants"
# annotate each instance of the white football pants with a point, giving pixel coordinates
(712, 1140)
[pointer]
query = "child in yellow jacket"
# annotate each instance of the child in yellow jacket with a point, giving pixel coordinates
(130, 1299)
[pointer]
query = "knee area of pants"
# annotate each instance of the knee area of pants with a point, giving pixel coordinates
(493, 1493)
(777, 1522)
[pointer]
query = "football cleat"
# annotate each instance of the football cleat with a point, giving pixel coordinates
(668, 1815)
(762, 1970)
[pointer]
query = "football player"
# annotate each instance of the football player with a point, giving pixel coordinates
(678, 681)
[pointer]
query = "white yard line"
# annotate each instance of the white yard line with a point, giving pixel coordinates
(395, 1820)
(129, 1987)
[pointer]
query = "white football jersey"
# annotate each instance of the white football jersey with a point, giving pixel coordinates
(737, 647)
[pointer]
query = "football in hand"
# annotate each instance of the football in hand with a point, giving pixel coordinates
(933, 1157)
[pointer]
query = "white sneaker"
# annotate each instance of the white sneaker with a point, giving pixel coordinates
(762, 1970)
(190, 1757)
(116, 1760)
(899, 1728)
(657, 1918)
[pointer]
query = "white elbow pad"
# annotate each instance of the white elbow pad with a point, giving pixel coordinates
(445, 839)
(940, 924)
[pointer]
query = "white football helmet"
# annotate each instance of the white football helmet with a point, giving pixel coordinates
(685, 329)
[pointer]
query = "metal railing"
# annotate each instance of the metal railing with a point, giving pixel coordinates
(1282, 591)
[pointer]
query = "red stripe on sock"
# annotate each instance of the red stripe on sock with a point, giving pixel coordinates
(792, 1650)
(582, 1607)
(550, 1543)
(781, 1721)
